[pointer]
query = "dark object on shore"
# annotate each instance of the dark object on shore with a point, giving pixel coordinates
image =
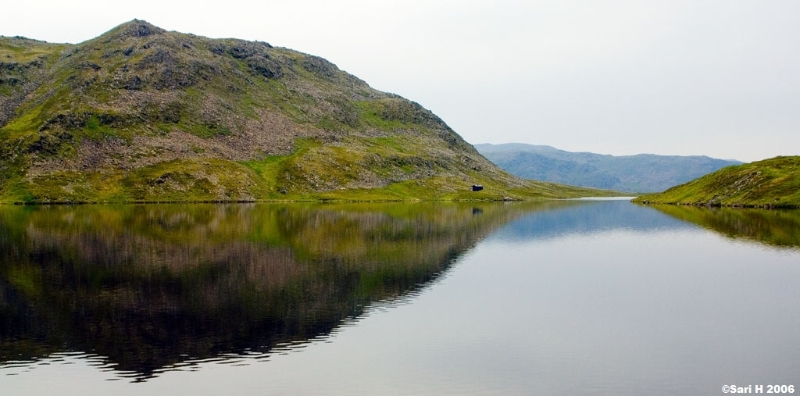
(477, 187)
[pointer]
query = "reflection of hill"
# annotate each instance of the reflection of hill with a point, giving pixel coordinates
(585, 217)
(151, 286)
(771, 227)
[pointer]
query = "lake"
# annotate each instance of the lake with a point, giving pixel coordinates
(557, 297)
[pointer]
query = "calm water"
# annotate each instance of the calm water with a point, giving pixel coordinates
(557, 298)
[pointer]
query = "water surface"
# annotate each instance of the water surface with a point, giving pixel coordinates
(536, 298)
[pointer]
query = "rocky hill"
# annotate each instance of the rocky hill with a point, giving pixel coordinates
(142, 114)
(631, 173)
(772, 182)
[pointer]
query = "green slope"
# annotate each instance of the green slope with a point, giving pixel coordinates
(141, 114)
(773, 182)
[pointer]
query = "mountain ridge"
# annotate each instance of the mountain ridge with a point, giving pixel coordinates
(140, 114)
(631, 173)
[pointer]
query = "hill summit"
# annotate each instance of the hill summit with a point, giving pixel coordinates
(143, 114)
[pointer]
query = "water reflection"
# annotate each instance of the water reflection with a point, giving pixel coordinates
(146, 288)
(557, 298)
(779, 227)
(587, 217)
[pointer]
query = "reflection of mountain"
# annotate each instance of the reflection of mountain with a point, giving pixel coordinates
(585, 217)
(771, 227)
(155, 285)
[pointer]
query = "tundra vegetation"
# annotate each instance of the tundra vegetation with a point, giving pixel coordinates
(140, 114)
(771, 183)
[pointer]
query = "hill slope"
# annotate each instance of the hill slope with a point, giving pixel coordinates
(773, 182)
(633, 173)
(142, 114)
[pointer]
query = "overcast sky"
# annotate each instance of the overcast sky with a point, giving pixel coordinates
(717, 78)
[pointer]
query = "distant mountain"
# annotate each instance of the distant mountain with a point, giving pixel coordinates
(142, 114)
(773, 182)
(630, 173)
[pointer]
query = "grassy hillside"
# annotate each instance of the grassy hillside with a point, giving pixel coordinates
(633, 173)
(142, 114)
(773, 182)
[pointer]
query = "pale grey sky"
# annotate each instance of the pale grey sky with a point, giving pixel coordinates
(716, 77)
